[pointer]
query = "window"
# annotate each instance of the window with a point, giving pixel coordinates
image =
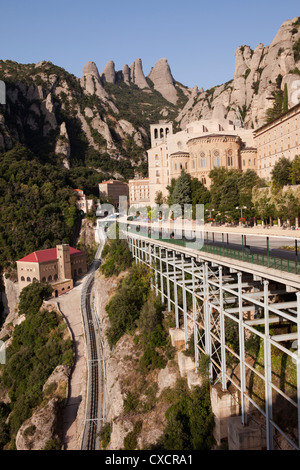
(22, 278)
(203, 162)
(50, 278)
(43, 279)
(28, 279)
(216, 161)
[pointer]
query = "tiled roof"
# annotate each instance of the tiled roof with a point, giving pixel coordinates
(46, 255)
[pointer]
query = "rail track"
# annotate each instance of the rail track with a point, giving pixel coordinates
(94, 409)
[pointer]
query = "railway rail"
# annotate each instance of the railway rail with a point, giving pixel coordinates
(95, 354)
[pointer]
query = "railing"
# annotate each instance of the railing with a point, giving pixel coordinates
(244, 254)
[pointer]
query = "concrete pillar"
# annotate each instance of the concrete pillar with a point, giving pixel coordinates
(224, 406)
(250, 437)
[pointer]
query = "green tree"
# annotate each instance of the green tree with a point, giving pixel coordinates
(182, 193)
(281, 173)
(295, 170)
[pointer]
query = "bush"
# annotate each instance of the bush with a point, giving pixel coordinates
(130, 441)
(53, 444)
(190, 421)
(105, 434)
(151, 360)
(32, 296)
(124, 308)
(117, 258)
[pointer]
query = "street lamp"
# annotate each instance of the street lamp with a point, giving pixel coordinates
(210, 211)
(241, 209)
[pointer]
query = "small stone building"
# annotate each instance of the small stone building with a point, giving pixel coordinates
(59, 266)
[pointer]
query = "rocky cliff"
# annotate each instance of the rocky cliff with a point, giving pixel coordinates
(258, 75)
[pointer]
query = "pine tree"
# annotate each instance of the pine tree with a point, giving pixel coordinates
(182, 193)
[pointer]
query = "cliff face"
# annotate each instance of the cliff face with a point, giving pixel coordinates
(256, 77)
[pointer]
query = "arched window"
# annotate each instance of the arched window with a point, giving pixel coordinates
(22, 278)
(55, 277)
(161, 133)
(34, 279)
(155, 133)
(43, 279)
(28, 279)
(49, 278)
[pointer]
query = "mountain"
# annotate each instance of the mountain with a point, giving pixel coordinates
(259, 75)
(100, 120)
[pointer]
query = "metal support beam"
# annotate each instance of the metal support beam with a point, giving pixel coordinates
(242, 352)
(268, 372)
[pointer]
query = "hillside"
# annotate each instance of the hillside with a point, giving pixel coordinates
(92, 121)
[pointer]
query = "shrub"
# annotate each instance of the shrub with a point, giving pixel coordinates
(130, 441)
(151, 360)
(130, 402)
(124, 308)
(117, 258)
(53, 444)
(105, 434)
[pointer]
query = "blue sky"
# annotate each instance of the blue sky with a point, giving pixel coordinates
(197, 38)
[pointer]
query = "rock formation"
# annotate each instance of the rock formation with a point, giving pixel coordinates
(91, 81)
(62, 147)
(109, 73)
(137, 75)
(163, 81)
(255, 79)
(126, 74)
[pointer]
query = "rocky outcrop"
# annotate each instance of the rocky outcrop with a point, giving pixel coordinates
(137, 75)
(109, 73)
(126, 74)
(62, 147)
(163, 81)
(47, 108)
(255, 79)
(42, 426)
(91, 81)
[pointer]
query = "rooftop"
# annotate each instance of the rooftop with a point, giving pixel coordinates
(43, 256)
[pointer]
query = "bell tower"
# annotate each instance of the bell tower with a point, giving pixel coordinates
(63, 262)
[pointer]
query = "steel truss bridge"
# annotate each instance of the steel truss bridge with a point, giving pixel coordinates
(233, 306)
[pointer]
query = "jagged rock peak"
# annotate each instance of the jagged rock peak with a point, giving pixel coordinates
(90, 68)
(163, 80)
(109, 72)
(137, 75)
(126, 74)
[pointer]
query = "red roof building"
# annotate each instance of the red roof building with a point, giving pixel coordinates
(58, 266)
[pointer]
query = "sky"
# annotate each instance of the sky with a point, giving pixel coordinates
(198, 38)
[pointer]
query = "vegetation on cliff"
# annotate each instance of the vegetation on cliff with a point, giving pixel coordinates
(135, 310)
(38, 345)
